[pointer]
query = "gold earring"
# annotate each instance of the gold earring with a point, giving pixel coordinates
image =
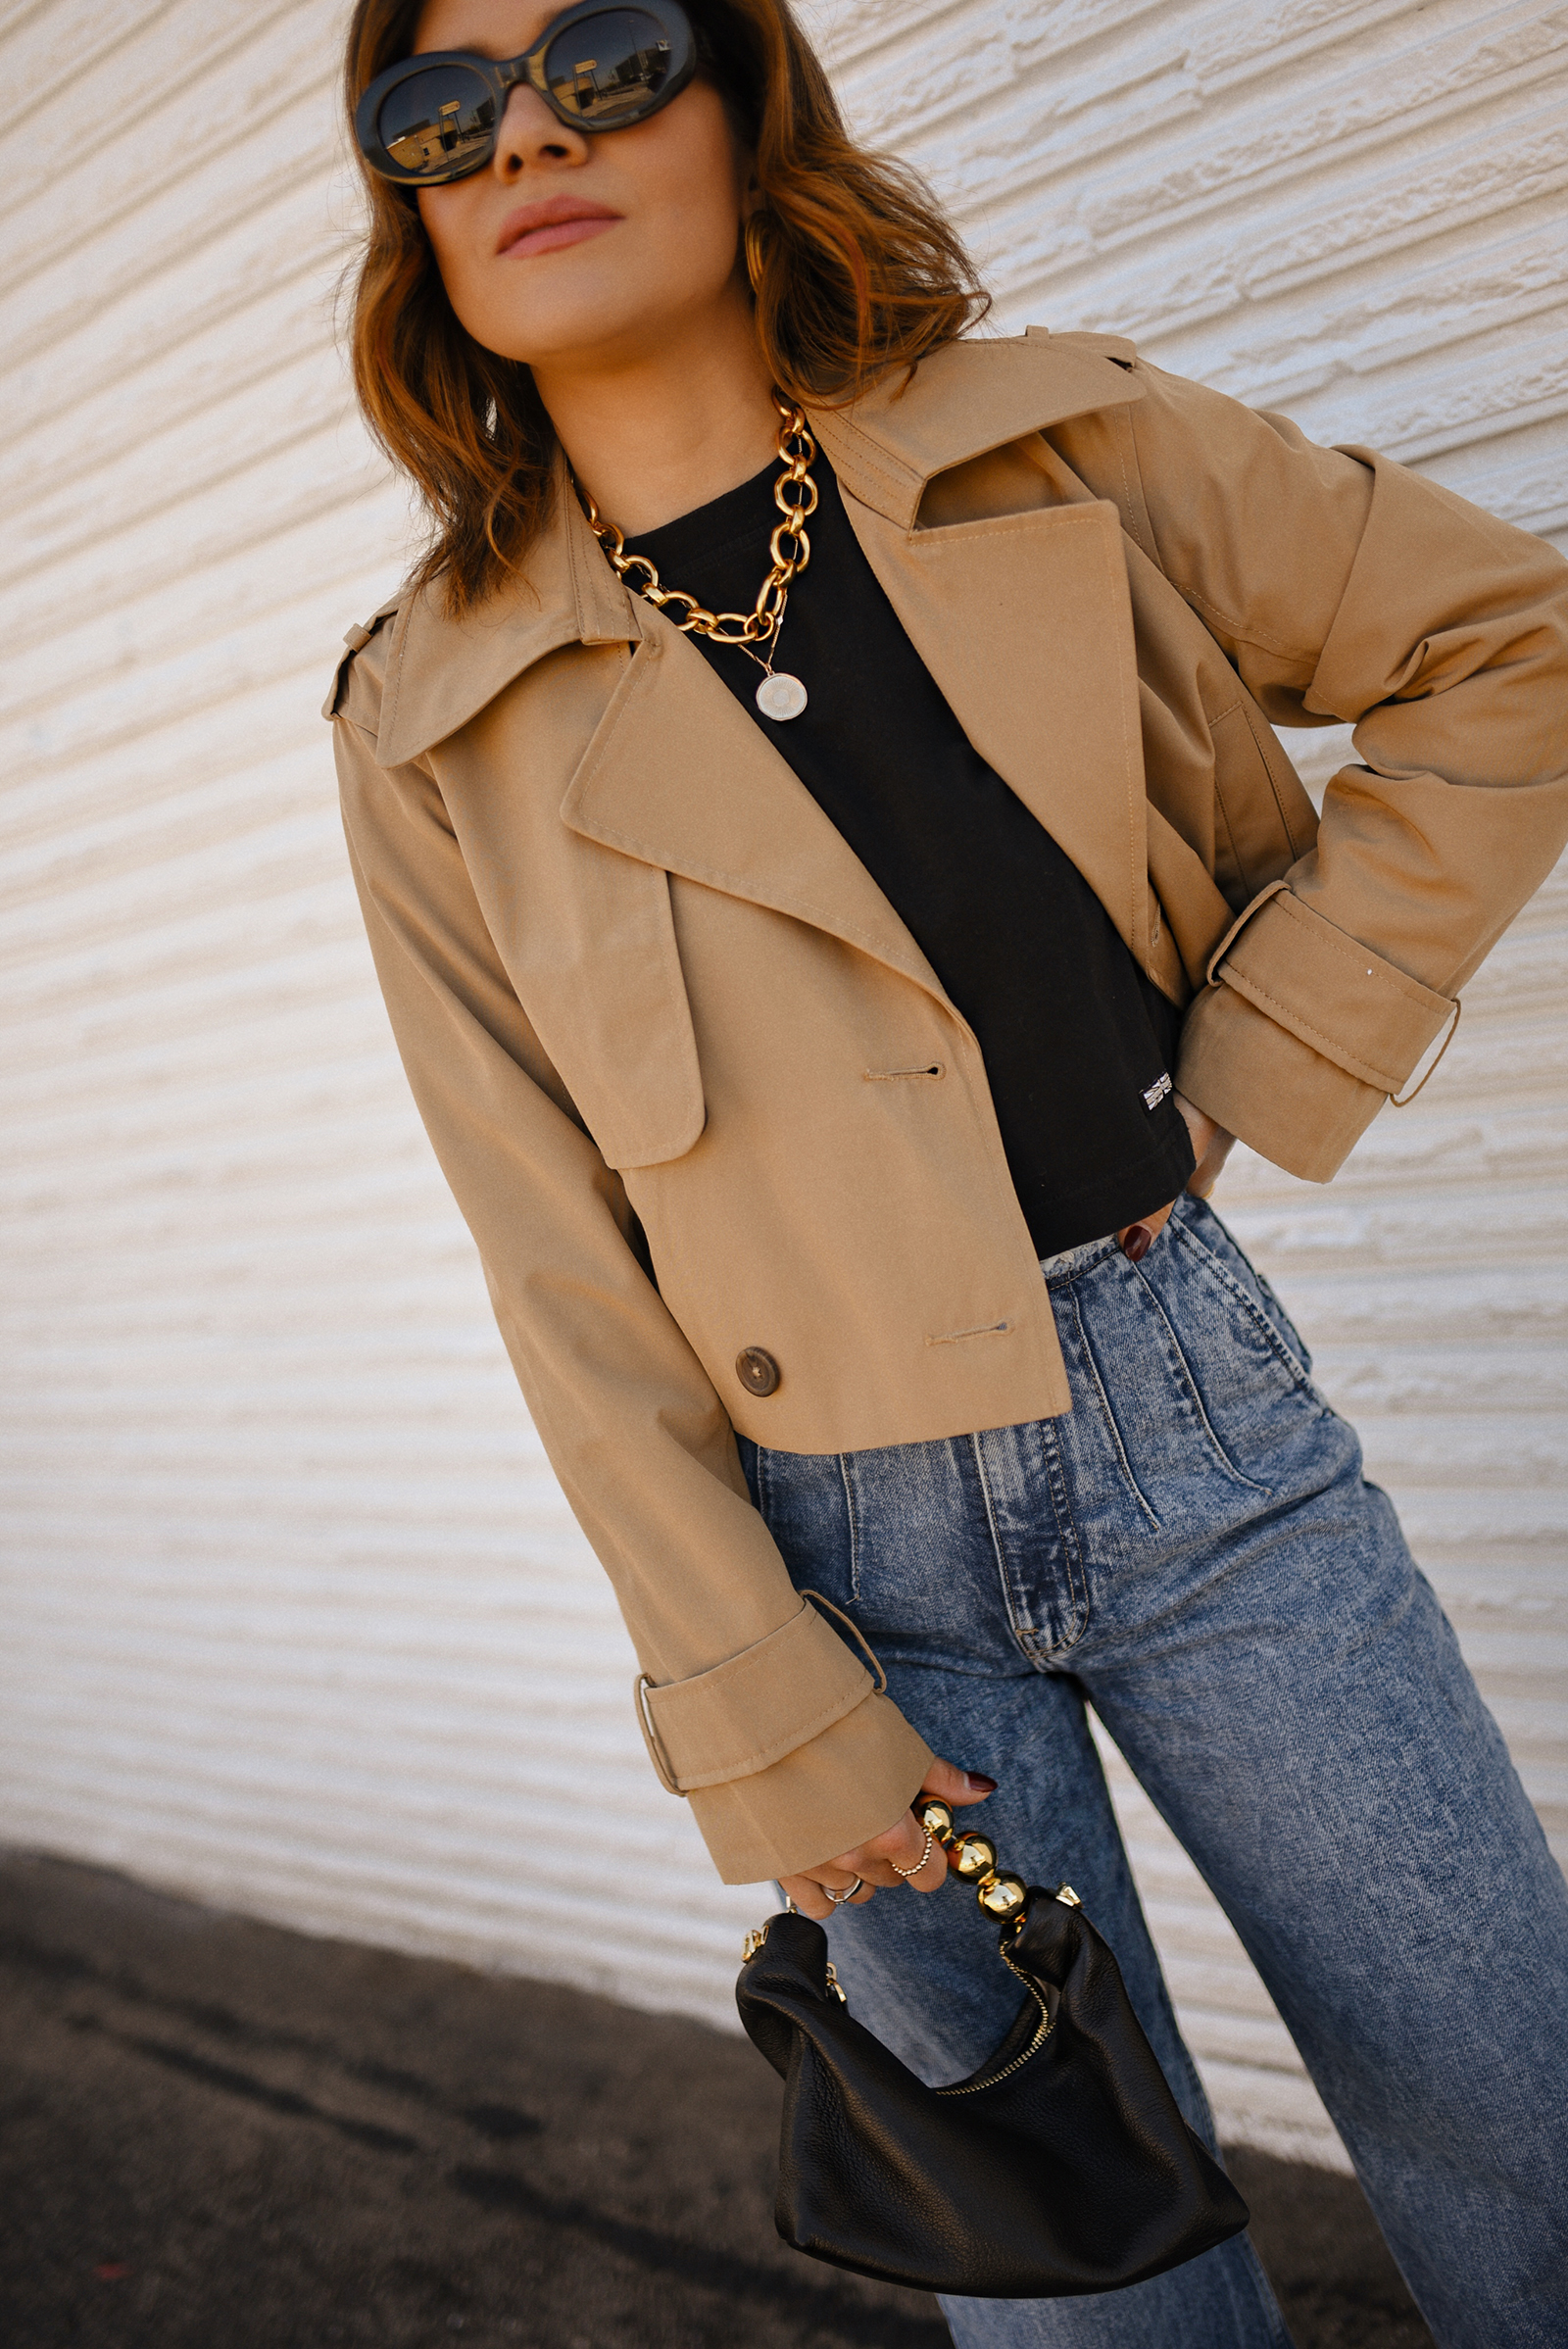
(756, 252)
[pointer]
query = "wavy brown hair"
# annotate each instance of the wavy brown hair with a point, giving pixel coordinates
(861, 273)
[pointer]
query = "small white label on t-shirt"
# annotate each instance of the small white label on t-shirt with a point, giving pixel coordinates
(1156, 1091)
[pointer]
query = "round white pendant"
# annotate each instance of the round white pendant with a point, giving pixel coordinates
(779, 697)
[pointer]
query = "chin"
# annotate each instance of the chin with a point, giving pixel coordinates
(615, 323)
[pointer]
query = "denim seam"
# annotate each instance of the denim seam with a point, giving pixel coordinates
(1026, 1639)
(1295, 1340)
(1222, 1272)
(855, 1525)
(1190, 1381)
(1110, 1418)
(1067, 1533)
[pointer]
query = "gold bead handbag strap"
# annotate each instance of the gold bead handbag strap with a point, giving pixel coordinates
(973, 1859)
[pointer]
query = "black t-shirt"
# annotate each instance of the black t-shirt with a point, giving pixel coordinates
(1072, 1034)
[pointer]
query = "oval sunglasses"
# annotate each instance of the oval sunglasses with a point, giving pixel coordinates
(436, 117)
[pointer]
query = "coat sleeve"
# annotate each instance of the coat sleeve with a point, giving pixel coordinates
(757, 1711)
(1344, 588)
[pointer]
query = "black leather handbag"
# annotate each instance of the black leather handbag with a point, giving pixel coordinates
(1061, 2166)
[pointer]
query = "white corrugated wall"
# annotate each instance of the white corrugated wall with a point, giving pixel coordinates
(293, 1615)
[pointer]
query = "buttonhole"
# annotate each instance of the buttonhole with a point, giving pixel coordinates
(988, 1329)
(894, 1076)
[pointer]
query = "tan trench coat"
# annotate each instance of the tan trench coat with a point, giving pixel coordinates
(695, 1088)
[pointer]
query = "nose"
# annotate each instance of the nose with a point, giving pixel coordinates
(530, 134)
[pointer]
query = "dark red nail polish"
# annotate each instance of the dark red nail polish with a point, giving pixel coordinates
(978, 1779)
(1136, 1242)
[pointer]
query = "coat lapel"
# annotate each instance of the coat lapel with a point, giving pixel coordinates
(1023, 622)
(1026, 625)
(678, 775)
(1024, 619)
(442, 671)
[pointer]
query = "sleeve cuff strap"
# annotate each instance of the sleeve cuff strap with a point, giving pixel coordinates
(755, 1708)
(1326, 989)
(835, 1792)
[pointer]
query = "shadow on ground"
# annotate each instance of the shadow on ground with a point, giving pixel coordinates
(215, 2134)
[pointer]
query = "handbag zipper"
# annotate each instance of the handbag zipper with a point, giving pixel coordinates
(972, 2089)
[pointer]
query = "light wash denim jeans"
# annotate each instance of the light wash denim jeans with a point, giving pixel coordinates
(1194, 1550)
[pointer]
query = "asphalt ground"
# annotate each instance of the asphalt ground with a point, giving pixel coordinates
(216, 2134)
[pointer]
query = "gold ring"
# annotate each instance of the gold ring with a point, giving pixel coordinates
(859, 1886)
(919, 1863)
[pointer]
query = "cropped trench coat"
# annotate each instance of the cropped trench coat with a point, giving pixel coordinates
(695, 1086)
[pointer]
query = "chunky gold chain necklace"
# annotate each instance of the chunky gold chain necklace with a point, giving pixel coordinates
(779, 696)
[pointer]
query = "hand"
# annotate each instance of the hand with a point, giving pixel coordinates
(873, 1862)
(1211, 1146)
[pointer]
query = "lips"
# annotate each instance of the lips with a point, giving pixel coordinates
(557, 220)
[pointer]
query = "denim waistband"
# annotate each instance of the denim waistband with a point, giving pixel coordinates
(1069, 1262)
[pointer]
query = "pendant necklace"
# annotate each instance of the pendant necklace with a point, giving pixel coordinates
(779, 697)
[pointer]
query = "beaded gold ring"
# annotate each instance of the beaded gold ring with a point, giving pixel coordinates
(930, 1842)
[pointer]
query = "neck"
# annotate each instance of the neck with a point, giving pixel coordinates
(654, 433)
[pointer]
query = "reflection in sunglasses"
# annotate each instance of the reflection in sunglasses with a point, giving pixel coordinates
(433, 117)
(593, 87)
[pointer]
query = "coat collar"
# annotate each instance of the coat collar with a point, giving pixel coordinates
(967, 399)
(442, 671)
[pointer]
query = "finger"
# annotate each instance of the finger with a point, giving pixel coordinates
(870, 1863)
(957, 1787)
(851, 1879)
(886, 1857)
(873, 1869)
(864, 1886)
(808, 1897)
(932, 1873)
(923, 1862)
(1136, 1238)
(926, 1865)
(837, 1876)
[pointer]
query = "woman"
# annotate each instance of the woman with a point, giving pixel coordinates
(833, 1069)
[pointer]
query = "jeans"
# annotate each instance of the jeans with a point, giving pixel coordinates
(1193, 1550)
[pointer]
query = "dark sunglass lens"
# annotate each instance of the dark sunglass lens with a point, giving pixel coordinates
(437, 118)
(605, 68)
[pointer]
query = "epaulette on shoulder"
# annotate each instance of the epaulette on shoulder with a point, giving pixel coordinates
(1114, 347)
(355, 643)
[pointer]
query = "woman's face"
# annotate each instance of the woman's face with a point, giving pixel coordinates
(571, 250)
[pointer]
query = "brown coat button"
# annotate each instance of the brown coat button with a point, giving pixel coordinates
(756, 1370)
